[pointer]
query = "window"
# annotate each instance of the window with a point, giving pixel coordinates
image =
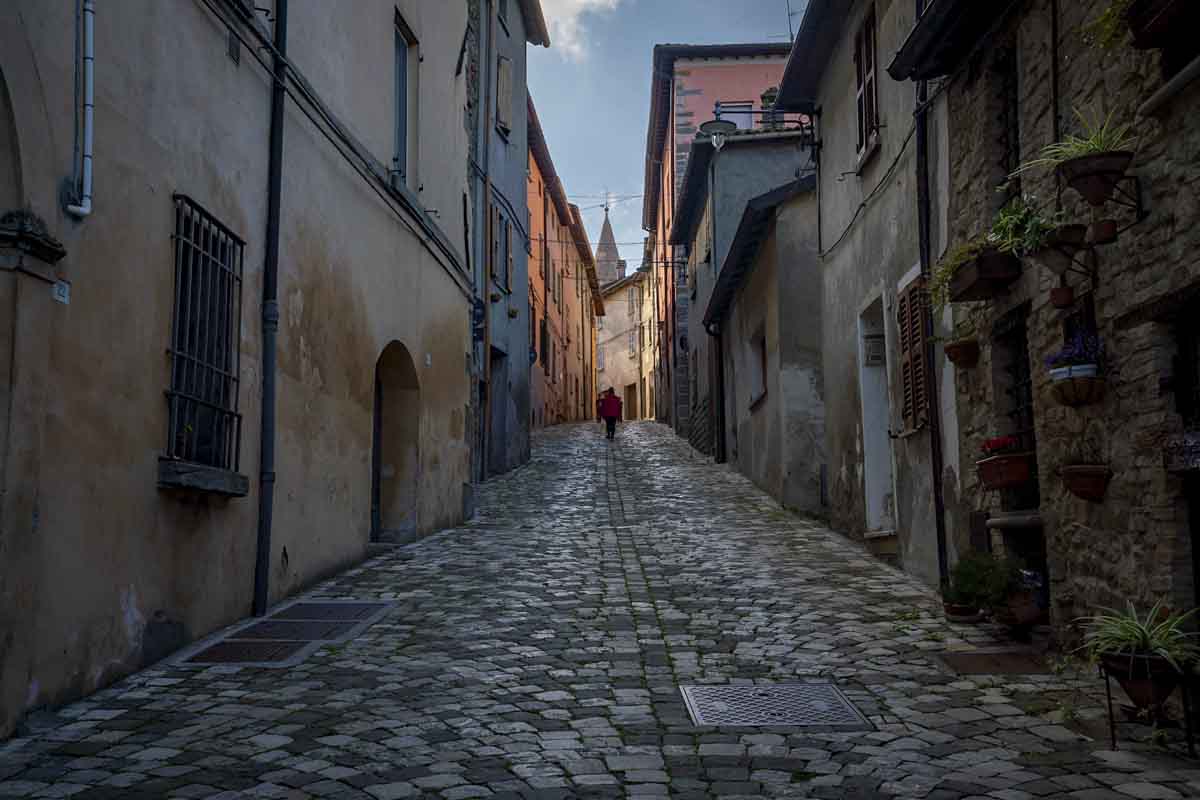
(758, 368)
(544, 350)
(633, 342)
(1187, 370)
(911, 316)
(502, 256)
(504, 95)
(633, 303)
(600, 359)
(406, 47)
(502, 13)
(599, 323)
(205, 426)
(864, 74)
(741, 114)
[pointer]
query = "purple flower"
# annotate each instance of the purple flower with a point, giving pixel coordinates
(1082, 348)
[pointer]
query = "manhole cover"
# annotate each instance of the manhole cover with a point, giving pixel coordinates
(1006, 662)
(246, 652)
(344, 612)
(302, 630)
(797, 704)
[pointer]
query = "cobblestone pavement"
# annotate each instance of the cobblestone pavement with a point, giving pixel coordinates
(538, 651)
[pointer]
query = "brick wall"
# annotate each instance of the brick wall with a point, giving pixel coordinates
(1136, 544)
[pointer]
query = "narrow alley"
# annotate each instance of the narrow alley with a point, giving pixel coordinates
(539, 650)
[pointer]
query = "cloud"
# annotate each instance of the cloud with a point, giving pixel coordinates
(568, 33)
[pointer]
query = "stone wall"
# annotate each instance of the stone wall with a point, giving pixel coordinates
(1136, 543)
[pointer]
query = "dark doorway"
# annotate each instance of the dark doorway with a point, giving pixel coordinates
(498, 424)
(395, 452)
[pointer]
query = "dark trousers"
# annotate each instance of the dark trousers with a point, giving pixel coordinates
(610, 424)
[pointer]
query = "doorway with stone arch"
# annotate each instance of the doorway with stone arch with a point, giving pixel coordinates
(395, 449)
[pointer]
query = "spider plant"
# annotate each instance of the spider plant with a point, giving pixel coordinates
(1020, 228)
(1109, 29)
(943, 273)
(1099, 136)
(1158, 633)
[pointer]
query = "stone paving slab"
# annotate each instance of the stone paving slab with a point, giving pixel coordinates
(537, 653)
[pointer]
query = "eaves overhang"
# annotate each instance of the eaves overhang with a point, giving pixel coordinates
(536, 31)
(812, 49)
(541, 155)
(944, 36)
(752, 229)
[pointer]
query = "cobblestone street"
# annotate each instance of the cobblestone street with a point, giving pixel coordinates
(538, 652)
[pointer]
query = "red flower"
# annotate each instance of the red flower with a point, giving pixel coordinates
(1000, 444)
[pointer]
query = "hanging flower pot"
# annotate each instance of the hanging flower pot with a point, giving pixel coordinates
(1061, 245)
(1086, 481)
(1062, 297)
(984, 276)
(1006, 470)
(1181, 453)
(1096, 176)
(1076, 370)
(963, 353)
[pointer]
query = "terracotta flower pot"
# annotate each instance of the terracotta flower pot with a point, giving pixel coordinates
(959, 612)
(1096, 176)
(1103, 231)
(1020, 610)
(984, 277)
(1148, 680)
(1062, 297)
(1006, 471)
(1075, 392)
(963, 353)
(1086, 481)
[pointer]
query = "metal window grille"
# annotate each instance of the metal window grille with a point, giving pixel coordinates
(1007, 68)
(205, 426)
(1187, 372)
(1011, 336)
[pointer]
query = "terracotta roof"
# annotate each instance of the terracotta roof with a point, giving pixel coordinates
(662, 72)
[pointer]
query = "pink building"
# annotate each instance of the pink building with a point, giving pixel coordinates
(686, 84)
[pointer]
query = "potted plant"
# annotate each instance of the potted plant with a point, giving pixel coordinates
(1006, 463)
(1087, 476)
(975, 270)
(1146, 654)
(963, 351)
(1018, 606)
(1022, 229)
(977, 582)
(1091, 163)
(1077, 370)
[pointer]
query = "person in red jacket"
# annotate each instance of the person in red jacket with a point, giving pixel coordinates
(610, 410)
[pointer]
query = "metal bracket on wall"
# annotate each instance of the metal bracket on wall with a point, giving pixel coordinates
(1127, 193)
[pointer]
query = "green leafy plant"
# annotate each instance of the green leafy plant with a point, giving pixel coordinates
(1020, 228)
(980, 580)
(943, 273)
(1109, 29)
(1099, 136)
(1127, 633)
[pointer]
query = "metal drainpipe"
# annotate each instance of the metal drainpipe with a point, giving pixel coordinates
(485, 284)
(84, 207)
(270, 317)
(926, 249)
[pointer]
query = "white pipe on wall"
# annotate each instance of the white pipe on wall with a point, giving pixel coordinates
(84, 207)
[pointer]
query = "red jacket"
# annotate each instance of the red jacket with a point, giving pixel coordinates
(610, 406)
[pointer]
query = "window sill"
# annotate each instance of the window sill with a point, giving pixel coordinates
(868, 154)
(176, 474)
(757, 401)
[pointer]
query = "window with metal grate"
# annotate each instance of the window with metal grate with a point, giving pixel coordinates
(205, 426)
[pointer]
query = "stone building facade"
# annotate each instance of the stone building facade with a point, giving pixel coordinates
(1037, 66)
(136, 468)
(621, 359)
(686, 83)
(564, 295)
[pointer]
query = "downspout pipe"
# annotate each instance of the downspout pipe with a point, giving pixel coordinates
(270, 317)
(924, 236)
(83, 207)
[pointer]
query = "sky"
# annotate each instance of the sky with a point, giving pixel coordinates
(592, 90)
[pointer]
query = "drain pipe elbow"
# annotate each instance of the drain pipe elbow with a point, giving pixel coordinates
(84, 207)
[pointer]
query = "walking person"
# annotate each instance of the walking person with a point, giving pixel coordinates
(610, 410)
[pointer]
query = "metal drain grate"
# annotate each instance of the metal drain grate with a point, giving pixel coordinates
(341, 612)
(247, 653)
(797, 704)
(295, 630)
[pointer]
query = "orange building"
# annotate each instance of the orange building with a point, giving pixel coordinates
(687, 83)
(564, 296)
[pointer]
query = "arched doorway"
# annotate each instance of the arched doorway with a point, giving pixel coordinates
(395, 452)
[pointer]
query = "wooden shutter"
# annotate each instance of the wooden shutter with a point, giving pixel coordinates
(911, 315)
(504, 94)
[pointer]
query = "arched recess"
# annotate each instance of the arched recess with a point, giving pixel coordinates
(10, 162)
(395, 452)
